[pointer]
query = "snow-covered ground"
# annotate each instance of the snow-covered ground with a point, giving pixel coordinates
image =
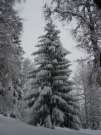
(10, 126)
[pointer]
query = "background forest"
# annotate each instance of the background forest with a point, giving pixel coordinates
(43, 90)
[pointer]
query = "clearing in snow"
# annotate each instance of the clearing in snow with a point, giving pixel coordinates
(10, 126)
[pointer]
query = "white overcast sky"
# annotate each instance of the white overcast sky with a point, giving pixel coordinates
(33, 22)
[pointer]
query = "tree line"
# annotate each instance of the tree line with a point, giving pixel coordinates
(42, 92)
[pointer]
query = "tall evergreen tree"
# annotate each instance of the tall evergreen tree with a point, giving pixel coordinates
(10, 55)
(51, 101)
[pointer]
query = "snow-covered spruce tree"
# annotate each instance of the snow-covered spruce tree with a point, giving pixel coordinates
(87, 28)
(51, 101)
(87, 31)
(10, 56)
